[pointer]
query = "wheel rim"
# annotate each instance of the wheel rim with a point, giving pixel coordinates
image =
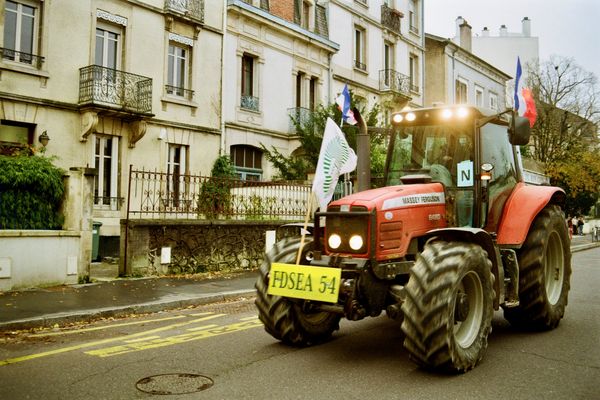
(469, 298)
(554, 269)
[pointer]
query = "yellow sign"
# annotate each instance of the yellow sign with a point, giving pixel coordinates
(305, 282)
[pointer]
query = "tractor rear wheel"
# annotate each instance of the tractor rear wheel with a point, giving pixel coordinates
(544, 273)
(287, 319)
(449, 306)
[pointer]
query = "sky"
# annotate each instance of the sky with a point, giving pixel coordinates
(567, 28)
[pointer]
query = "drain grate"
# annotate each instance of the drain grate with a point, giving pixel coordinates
(177, 383)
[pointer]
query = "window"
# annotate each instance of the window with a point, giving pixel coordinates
(248, 100)
(493, 101)
(359, 48)
(414, 72)
(413, 13)
(461, 92)
(312, 96)
(247, 161)
(177, 71)
(108, 47)
(21, 21)
(176, 171)
(303, 13)
(299, 80)
(478, 96)
(15, 136)
(106, 150)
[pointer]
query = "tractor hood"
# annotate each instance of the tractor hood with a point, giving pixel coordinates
(393, 197)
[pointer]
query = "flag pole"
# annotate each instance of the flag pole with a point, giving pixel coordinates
(303, 232)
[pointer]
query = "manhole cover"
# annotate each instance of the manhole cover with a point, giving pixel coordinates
(174, 384)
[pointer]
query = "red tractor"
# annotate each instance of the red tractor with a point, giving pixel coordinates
(454, 235)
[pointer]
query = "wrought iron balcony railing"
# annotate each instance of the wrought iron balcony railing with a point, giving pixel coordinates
(193, 9)
(179, 91)
(21, 57)
(390, 18)
(391, 80)
(414, 29)
(110, 87)
(299, 116)
(359, 65)
(249, 103)
(414, 88)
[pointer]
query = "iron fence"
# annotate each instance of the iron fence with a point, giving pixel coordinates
(22, 57)
(106, 86)
(394, 81)
(155, 194)
(390, 18)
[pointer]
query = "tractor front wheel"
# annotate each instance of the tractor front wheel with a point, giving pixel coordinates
(287, 319)
(449, 306)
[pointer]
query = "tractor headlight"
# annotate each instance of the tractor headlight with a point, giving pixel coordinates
(334, 241)
(356, 242)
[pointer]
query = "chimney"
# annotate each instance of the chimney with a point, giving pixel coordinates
(485, 32)
(503, 30)
(459, 21)
(465, 36)
(526, 23)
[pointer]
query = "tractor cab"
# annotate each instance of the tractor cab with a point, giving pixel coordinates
(470, 151)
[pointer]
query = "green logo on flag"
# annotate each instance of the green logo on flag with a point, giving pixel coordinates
(336, 155)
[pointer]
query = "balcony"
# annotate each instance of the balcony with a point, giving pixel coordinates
(117, 90)
(250, 103)
(390, 18)
(299, 116)
(395, 82)
(179, 92)
(21, 57)
(187, 9)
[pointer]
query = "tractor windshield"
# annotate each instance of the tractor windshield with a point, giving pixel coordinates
(443, 152)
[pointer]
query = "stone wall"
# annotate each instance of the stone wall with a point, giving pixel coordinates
(194, 245)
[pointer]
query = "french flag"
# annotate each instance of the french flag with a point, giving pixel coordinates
(343, 102)
(524, 103)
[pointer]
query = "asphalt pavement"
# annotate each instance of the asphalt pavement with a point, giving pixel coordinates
(113, 297)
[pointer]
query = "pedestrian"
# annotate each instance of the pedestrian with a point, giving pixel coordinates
(574, 224)
(570, 226)
(580, 226)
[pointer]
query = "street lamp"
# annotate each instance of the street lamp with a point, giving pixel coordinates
(44, 139)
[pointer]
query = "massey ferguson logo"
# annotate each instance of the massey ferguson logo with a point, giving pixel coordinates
(423, 198)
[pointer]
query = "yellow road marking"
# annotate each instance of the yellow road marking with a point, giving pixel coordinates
(254, 317)
(178, 339)
(201, 328)
(97, 328)
(200, 314)
(141, 339)
(104, 341)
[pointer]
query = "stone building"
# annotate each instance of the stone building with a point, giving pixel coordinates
(277, 65)
(113, 84)
(457, 76)
(381, 55)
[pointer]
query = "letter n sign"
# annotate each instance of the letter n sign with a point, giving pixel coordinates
(464, 169)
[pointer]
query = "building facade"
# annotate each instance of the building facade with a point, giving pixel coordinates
(456, 76)
(381, 55)
(278, 56)
(114, 83)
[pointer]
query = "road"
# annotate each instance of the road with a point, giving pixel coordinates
(182, 350)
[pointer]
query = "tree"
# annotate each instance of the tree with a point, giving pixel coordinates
(568, 106)
(310, 134)
(565, 135)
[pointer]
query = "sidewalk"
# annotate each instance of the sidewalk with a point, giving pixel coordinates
(118, 297)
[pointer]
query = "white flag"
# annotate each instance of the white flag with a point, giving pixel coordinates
(335, 158)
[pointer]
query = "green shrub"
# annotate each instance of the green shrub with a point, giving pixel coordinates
(31, 192)
(215, 195)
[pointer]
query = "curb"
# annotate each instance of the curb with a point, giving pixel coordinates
(91, 315)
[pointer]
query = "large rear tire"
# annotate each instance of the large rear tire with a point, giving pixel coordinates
(449, 306)
(544, 273)
(284, 318)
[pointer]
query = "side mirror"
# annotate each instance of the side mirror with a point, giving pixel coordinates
(519, 131)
